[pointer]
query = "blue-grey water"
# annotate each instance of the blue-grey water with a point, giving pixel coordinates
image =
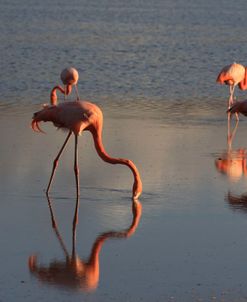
(151, 66)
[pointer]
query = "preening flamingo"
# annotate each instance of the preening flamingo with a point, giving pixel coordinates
(76, 117)
(69, 77)
(233, 75)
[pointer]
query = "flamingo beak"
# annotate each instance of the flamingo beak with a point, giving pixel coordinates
(35, 126)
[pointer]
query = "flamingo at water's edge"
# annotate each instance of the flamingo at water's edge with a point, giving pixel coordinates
(233, 75)
(76, 117)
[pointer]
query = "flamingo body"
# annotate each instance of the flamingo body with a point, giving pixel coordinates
(76, 117)
(231, 74)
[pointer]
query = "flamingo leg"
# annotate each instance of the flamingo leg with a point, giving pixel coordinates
(229, 131)
(231, 134)
(64, 96)
(237, 116)
(75, 221)
(76, 168)
(77, 93)
(55, 228)
(231, 100)
(55, 163)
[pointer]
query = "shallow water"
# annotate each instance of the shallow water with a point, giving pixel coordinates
(190, 242)
(151, 67)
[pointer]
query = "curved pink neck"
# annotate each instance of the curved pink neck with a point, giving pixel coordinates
(53, 95)
(137, 186)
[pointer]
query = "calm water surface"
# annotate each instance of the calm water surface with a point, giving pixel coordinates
(151, 67)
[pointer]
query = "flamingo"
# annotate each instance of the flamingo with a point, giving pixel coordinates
(76, 117)
(233, 75)
(69, 77)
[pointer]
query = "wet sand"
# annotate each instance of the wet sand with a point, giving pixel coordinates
(190, 242)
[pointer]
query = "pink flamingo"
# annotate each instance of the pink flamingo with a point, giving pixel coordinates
(76, 117)
(233, 75)
(69, 77)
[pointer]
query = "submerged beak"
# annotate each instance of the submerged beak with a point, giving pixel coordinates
(35, 126)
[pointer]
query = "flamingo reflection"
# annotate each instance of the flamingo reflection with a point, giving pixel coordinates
(232, 162)
(73, 272)
(237, 202)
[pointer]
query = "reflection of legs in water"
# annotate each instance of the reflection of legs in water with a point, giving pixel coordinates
(74, 272)
(54, 226)
(75, 221)
(136, 212)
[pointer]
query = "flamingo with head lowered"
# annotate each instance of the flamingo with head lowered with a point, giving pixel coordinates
(233, 75)
(69, 77)
(76, 117)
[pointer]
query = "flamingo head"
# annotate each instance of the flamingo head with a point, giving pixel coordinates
(225, 78)
(69, 76)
